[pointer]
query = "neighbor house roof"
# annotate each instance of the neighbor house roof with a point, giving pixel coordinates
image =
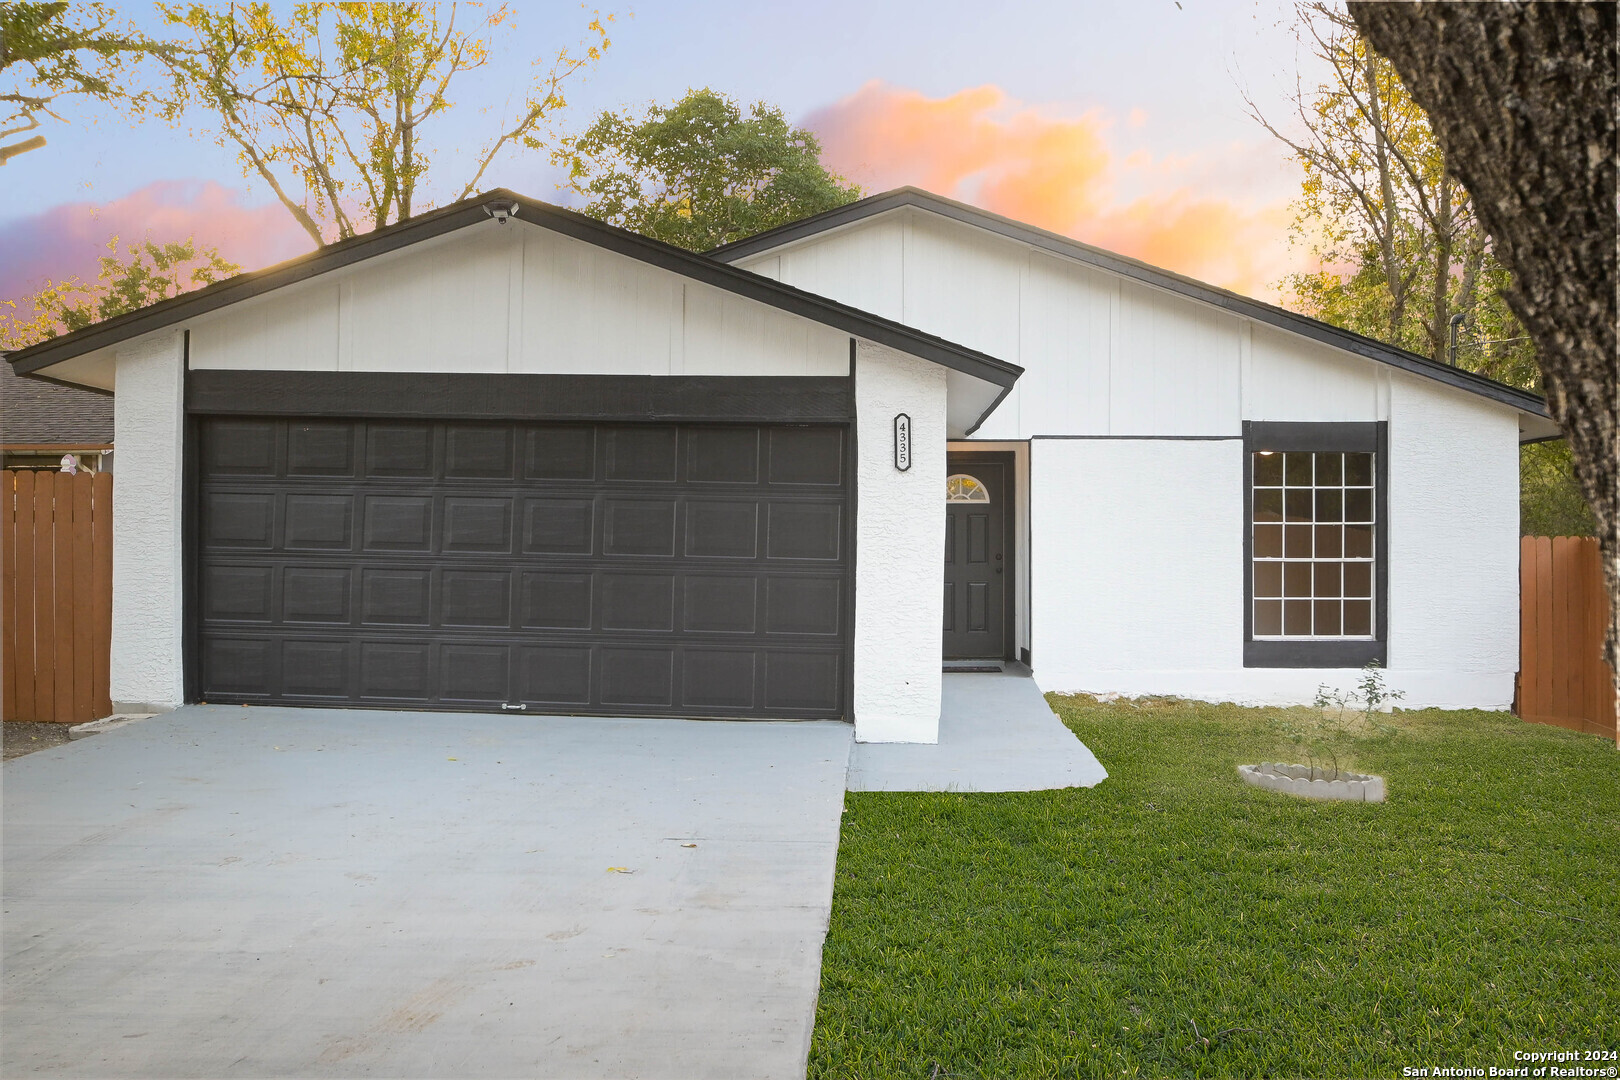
(478, 209)
(1236, 303)
(34, 412)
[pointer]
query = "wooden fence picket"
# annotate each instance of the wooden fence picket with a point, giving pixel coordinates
(56, 626)
(1563, 614)
(101, 566)
(22, 538)
(8, 593)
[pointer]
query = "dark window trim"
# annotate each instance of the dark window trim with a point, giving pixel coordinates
(1348, 437)
(1008, 459)
(483, 396)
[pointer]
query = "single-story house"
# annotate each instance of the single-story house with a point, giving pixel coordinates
(503, 456)
(41, 422)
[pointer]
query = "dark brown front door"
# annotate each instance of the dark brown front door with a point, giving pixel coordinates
(976, 559)
(620, 569)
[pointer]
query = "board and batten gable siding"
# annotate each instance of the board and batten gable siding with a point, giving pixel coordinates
(1102, 355)
(867, 261)
(513, 299)
(1290, 378)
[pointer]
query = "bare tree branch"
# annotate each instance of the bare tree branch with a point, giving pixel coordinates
(338, 99)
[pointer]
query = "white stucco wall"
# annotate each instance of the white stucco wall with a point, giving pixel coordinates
(900, 548)
(148, 428)
(1137, 563)
(1454, 544)
(1136, 553)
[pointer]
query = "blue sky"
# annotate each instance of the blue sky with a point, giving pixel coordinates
(1154, 84)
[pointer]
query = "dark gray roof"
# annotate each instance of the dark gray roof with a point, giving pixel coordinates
(38, 413)
(473, 211)
(1139, 271)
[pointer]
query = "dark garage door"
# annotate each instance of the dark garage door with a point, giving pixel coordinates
(635, 569)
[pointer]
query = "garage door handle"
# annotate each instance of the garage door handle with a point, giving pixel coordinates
(513, 708)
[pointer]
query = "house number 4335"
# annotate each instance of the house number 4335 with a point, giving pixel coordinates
(902, 442)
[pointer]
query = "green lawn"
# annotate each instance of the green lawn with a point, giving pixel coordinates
(1085, 932)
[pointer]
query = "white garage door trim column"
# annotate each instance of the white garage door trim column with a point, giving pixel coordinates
(147, 671)
(899, 549)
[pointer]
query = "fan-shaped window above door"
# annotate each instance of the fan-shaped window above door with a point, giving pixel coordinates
(962, 488)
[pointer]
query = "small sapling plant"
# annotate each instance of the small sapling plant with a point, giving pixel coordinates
(1328, 735)
(1375, 696)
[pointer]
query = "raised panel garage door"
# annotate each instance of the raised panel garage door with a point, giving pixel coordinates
(636, 569)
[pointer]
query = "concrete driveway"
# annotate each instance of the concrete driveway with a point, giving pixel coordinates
(277, 892)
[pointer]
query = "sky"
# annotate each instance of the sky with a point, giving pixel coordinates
(1121, 124)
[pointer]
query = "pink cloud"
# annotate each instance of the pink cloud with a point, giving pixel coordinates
(1196, 212)
(66, 240)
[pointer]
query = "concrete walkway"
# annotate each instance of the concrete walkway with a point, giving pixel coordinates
(996, 733)
(275, 892)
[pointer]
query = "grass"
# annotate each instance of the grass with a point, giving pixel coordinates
(1175, 922)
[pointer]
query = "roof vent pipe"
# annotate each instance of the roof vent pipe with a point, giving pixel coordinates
(1455, 321)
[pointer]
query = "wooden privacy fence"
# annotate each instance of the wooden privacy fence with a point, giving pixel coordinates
(1563, 614)
(57, 634)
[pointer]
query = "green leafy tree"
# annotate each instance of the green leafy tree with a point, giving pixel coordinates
(1550, 502)
(1376, 198)
(700, 172)
(53, 51)
(1404, 258)
(332, 105)
(146, 273)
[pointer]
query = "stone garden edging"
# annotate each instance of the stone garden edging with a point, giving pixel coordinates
(1296, 780)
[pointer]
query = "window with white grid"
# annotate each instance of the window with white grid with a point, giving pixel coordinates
(1314, 544)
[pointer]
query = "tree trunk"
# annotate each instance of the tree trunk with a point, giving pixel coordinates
(1445, 228)
(1522, 100)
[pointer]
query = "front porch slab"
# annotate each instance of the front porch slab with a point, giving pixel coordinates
(996, 733)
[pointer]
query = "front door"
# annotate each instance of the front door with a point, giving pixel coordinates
(976, 559)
